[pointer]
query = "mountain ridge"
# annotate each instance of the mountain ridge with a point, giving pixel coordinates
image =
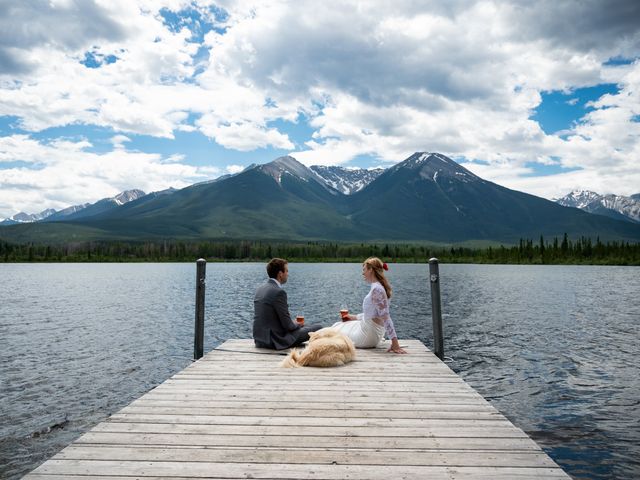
(619, 207)
(426, 197)
(76, 211)
(347, 180)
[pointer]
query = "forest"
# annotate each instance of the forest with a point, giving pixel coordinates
(582, 251)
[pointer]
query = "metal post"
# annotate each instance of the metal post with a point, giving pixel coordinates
(436, 312)
(199, 332)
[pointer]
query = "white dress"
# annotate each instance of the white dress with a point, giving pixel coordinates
(364, 332)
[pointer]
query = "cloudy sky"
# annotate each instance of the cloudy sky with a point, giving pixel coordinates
(97, 97)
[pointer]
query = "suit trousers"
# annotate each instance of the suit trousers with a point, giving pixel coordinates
(302, 334)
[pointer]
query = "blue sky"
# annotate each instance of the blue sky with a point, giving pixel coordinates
(169, 93)
(556, 114)
(559, 111)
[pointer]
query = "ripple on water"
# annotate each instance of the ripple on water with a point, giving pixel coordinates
(553, 348)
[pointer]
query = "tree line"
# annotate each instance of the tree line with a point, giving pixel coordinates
(557, 251)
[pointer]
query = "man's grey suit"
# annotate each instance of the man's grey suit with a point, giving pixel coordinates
(272, 324)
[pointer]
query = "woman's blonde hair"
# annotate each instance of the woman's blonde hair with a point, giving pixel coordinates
(375, 264)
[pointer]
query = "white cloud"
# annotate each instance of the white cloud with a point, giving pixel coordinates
(557, 185)
(150, 89)
(463, 80)
(67, 174)
(119, 140)
(234, 169)
(373, 78)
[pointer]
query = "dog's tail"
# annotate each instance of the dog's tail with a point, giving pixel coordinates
(291, 361)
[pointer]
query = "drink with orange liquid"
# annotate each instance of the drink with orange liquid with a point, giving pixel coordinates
(300, 320)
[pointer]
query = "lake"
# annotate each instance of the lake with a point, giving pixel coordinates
(554, 348)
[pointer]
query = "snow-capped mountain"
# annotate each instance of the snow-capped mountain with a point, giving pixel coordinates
(89, 209)
(344, 180)
(127, 196)
(578, 199)
(435, 166)
(347, 180)
(286, 165)
(426, 197)
(28, 217)
(76, 211)
(615, 206)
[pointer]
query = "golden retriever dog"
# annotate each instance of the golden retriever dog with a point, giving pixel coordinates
(327, 348)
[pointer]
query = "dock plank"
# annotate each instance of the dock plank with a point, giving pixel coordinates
(97, 468)
(236, 414)
(352, 443)
(326, 456)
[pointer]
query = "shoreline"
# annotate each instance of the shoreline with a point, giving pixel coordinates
(462, 261)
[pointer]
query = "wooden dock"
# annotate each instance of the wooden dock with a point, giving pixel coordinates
(236, 414)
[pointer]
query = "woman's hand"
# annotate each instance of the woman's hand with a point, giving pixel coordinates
(395, 347)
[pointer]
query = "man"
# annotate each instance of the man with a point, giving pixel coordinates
(272, 324)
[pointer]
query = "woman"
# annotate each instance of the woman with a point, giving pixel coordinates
(367, 329)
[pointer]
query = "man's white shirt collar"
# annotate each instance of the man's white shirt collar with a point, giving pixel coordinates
(277, 282)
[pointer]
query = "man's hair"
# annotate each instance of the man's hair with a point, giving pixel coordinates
(274, 266)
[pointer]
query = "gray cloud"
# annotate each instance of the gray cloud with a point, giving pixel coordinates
(462, 56)
(31, 23)
(330, 51)
(11, 61)
(462, 77)
(583, 25)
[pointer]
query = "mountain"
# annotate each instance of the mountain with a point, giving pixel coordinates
(282, 199)
(76, 211)
(22, 217)
(614, 206)
(347, 180)
(65, 212)
(427, 197)
(88, 209)
(578, 199)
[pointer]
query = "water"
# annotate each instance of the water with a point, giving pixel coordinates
(552, 347)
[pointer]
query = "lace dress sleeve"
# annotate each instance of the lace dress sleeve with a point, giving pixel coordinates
(381, 303)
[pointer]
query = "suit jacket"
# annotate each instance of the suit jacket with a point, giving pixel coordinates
(272, 324)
